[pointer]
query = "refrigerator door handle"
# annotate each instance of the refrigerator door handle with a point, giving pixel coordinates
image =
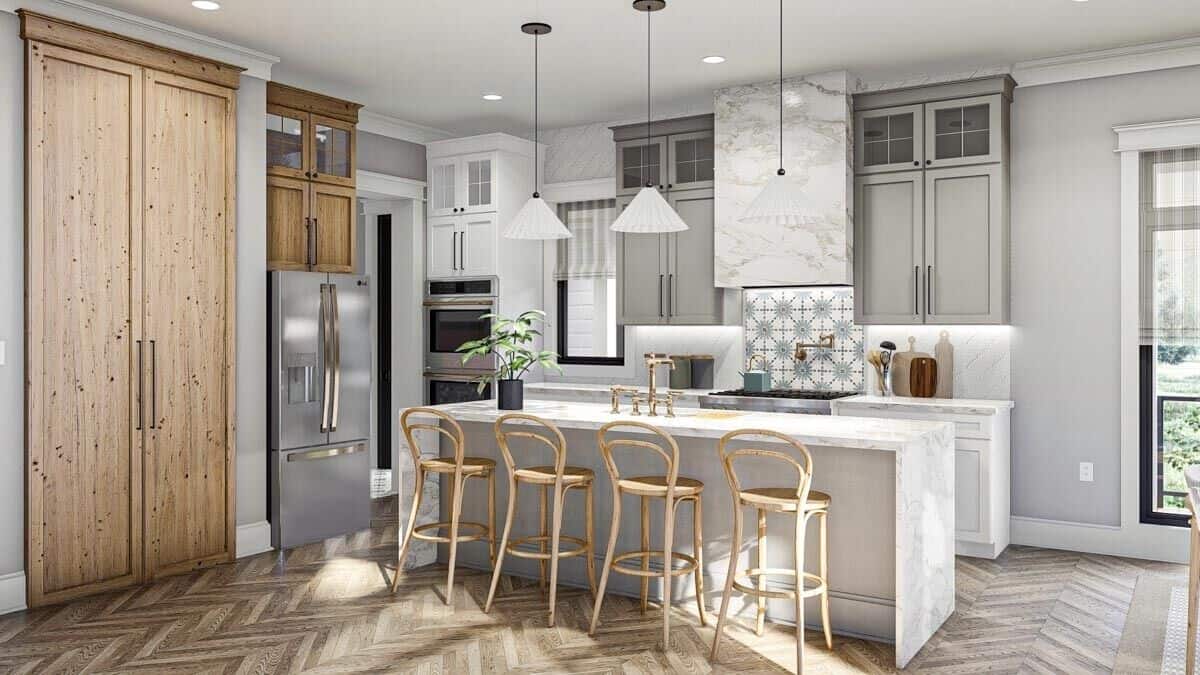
(326, 331)
(336, 349)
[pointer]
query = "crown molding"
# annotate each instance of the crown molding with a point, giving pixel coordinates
(256, 64)
(394, 127)
(1158, 135)
(373, 185)
(1108, 62)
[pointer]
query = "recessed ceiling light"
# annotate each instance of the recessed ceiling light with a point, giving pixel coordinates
(492, 97)
(713, 59)
(206, 5)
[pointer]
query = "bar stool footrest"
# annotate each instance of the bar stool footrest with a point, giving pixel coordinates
(753, 573)
(481, 532)
(689, 564)
(537, 539)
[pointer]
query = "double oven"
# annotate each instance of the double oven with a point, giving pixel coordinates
(456, 312)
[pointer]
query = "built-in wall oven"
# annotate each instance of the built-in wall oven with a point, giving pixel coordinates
(457, 312)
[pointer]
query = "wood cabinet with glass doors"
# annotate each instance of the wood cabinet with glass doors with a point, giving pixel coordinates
(310, 181)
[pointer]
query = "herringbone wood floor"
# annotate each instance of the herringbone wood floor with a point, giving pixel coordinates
(326, 608)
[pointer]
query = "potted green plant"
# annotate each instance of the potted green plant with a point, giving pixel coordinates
(512, 341)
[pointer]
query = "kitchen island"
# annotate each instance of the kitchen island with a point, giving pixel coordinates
(891, 522)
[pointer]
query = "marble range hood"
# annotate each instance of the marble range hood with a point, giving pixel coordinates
(817, 153)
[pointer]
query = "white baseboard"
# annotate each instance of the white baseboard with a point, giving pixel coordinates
(1147, 542)
(253, 538)
(12, 592)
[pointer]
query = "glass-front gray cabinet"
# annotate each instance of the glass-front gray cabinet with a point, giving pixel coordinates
(964, 131)
(690, 158)
(641, 161)
(890, 139)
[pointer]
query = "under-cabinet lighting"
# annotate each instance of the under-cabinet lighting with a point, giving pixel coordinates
(206, 5)
(492, 97)
(713, 59)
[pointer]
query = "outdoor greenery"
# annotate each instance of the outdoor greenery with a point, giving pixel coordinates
(511, 340)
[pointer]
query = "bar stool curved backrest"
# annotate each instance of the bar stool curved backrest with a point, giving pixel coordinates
(529, 426)
(670, 456)
(803, 465)
(454, 433)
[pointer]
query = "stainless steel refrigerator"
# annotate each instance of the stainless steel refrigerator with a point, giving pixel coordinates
(320, 391)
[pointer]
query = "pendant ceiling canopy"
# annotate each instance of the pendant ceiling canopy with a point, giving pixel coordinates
(648, 213)
(782, 201)
(536, 220)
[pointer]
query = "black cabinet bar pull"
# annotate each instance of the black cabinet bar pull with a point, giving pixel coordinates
(929, 291)
(916, 289)
(153, 386)
(141, 392)
(660, 294)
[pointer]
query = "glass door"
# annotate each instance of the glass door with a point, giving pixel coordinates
(443, 187)
(286, 151)
(642, 161)
(889, 139)
(691, 157)
(480, 183)
(332, 151)
(963, 131)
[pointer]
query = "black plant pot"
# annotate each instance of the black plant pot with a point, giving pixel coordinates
(512, 395)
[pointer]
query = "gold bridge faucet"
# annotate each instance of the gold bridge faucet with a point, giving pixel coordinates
(653, 361)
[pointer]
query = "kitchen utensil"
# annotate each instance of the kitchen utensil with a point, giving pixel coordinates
(756, 380)
(702, 371)
(900, 368)
(943, 352)
(875, 358)
(923, 377)
(681, 374)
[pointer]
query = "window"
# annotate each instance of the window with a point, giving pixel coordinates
(1169, 346)
(586, 275)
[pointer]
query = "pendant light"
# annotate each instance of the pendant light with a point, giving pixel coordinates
(536, 220)
(782, 201)
(648, 213)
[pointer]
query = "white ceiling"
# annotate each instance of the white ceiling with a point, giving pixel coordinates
(429, 61)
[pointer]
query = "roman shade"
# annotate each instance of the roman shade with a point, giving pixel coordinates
(590, 252)
(1170, 246)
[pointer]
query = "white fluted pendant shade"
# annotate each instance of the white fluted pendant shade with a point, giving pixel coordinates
(649, 213)
(781, 202)
(536, 220)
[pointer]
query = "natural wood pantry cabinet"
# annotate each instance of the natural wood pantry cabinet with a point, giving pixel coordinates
(311, 218)
(130, 152)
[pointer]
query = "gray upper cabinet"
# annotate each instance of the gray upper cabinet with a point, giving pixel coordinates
(641, 161)
(965, 245)
(692, 296)
(641, 275)
(889, 257)
(690, 158)
(890, 139)
(931, 230)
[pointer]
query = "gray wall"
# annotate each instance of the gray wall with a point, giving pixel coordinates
(251, 301)
(12, 288)
(1066, 278)
(390, 156)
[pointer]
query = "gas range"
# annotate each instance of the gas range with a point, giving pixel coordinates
(774, 400)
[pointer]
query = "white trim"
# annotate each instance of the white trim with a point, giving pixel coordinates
(481, 143)
(372, 185)
(580, 190)
(253, 538)
(394, 127)
(1158, 135)
(1148, 542)
(257, 64)
(12, 592)
(1108, 62)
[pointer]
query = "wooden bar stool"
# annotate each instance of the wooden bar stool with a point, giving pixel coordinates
(560, 478)
(460, 468)
(800, 500)
(671, 488)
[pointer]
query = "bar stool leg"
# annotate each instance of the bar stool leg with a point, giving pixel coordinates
(591, 538)
(508, 520)
(1193, 595)
(406, 536)
(645, 547)
(668, 539)
(760, 613)
(698, 552)
(491, 507)
(555, 530)
(735, 545)
(801, 521)
(824, 569)
(543, 514)
(455, 512)
(608, 558)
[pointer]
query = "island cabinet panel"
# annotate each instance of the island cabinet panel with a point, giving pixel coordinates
(129, 260)
(188, 307)
(83, 324)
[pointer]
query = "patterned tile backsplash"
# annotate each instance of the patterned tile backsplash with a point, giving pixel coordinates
(776, 319)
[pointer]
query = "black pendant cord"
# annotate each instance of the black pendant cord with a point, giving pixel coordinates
(781, 171)
(646, 150)
(535, 116)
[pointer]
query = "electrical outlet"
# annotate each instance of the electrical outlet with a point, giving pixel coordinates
(1085, 472)
(3, 352)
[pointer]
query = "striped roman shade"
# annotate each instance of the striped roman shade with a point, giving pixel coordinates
(590, 253)
(1170, 246)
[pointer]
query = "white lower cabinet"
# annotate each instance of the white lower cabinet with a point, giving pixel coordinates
(981, 461)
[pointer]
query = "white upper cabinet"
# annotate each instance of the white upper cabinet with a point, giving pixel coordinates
(463, 184)
(443, 187)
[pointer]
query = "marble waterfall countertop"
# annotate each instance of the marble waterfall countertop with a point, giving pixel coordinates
(824, 430)
(600, 393)
(952, 406)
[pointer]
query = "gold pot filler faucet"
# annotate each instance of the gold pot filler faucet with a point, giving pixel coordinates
(824, 341)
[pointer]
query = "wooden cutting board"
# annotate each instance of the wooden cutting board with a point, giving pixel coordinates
(900, 368)
(923, 377)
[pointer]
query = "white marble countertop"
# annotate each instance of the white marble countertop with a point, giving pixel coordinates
(819, 430)
(960, 406)
(602, 390)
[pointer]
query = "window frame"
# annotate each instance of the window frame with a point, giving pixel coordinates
(563, 347)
